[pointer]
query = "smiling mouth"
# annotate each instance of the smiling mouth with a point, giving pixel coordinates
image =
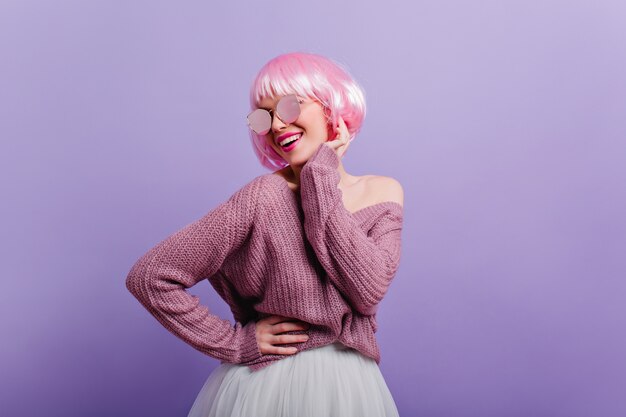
(291, 139)
(290, 143)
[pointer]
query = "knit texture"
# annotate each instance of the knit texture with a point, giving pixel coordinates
(270, 251)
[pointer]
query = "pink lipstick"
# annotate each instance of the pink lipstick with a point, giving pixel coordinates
(292, 145)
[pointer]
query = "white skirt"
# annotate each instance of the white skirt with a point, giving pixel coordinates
(331, 380)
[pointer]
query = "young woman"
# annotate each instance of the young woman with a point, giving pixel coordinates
(302, 255)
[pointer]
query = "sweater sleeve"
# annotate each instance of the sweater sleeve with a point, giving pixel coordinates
(159, 279)
(360, 264)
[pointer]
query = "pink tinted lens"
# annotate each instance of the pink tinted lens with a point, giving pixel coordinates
(288, 108)
(260, 121)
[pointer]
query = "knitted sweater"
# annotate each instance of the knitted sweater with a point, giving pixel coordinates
(268, 250)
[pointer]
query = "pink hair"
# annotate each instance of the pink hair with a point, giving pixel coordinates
(312, 76)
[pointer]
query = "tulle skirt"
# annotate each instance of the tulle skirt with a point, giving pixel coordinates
(331, 380)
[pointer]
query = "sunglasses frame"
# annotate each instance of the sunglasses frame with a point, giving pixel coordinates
(271, 113)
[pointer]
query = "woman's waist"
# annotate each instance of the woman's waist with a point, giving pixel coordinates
(359, 337)
(334, 321)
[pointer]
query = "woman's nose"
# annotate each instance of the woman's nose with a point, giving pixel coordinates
(277, 123)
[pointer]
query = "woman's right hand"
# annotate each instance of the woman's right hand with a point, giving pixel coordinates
(268, 334)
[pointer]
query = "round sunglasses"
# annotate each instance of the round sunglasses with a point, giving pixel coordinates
(287, 110)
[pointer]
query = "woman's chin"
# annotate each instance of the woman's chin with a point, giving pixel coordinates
(300, 154)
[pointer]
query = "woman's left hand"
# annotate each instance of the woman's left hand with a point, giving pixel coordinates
(342, 140)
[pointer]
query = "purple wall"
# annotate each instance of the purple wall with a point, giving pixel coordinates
(121, 122)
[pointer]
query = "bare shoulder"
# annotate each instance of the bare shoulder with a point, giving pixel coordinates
(385, 188)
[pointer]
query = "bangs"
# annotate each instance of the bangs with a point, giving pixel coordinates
(283, 76)
(273, 87)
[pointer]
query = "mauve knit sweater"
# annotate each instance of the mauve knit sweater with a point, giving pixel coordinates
(268, 250)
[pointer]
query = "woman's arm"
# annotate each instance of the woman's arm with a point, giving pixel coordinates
(160, 277)
(360, 264)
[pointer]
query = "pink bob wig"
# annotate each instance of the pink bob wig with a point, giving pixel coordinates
(314, 77)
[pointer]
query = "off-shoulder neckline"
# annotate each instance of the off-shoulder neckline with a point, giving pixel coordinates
(391, 204)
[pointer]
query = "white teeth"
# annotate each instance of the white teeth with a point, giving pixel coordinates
(290, 139)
